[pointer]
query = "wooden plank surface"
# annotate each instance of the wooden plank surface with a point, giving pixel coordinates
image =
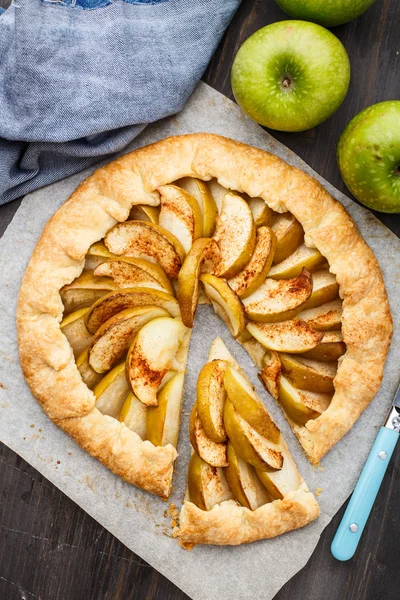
(50, 549)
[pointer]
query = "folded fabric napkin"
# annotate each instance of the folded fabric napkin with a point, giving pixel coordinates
(79, 79)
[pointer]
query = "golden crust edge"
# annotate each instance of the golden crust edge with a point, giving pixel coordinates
(228, 523)
(106, 198)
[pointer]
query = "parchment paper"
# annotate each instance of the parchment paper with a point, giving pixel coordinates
(256, 571)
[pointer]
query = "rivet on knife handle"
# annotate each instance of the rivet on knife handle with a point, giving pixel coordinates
(354, 519)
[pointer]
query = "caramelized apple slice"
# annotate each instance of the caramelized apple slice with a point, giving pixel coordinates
(111, 392)
(255, 272)
(112, 340)
(211, 399)
(180, 215)
(163, 420)
(135, 272)
(225, 302)
(251, 446)
(85, 290)
(330, 348)
(303, 258)
(327, 317)
(89, 376)
(96, 255)
(236, 236)
(151, 356)
(243, 482)
(74, 328)
(289, 336)
(325, 289)
(270, 374)
(263, 215)
(289, 235)
(142, 212)
(207, 485)
(309, 374)
(203, 254)
(248, 404)
(143, 239)
(111, 304)
(213, 453)
(280, 483)
(200, 190)
(133, 414)
(301, 406)
(280, 300)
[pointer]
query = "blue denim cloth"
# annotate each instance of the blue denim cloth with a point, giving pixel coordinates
(79, 79)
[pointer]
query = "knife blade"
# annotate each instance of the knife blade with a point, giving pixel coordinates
(349, 532)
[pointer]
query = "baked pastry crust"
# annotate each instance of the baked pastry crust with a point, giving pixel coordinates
(106, 198)
(229, 524)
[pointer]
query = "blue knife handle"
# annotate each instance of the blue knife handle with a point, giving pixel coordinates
(349, 532)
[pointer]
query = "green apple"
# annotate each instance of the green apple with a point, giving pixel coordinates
(369, 156)
(290, 75)
(324, 12)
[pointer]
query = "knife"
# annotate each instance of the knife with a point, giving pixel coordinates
(349, 532)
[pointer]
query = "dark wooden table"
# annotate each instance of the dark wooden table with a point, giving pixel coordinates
(50, 549)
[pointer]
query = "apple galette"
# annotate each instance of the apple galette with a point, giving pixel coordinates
(108, 301)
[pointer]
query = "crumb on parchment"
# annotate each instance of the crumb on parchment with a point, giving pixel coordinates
(318, 491)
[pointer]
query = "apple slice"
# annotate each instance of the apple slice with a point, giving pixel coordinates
(151, 355)
(133, 414)
(143, 212)
(142, 239)
(263, 215)
(200, 190)
(281, 300)
(327, 317)
(211, 399)
(303, 258)
(89, 377)
(112, 340)
(309, 374)
(202, 255)
(236, 236)
(180, 215)
(330, 348)
(111, 392)
(85, 290)
(289, 336)
(96, 255)
(243, 482)
(128, 271)
(225, 302)
(301, 406)
(213, 453)
(270, 374)
(325, 289)
(289, 235)
(74, 329)
(250, 445)
(248, 405)
(280, 483)
(255, 272)
(111, 304)
(207, 485)
(163, 420)
(218, 192)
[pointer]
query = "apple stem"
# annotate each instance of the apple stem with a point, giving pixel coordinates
(286, 82)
